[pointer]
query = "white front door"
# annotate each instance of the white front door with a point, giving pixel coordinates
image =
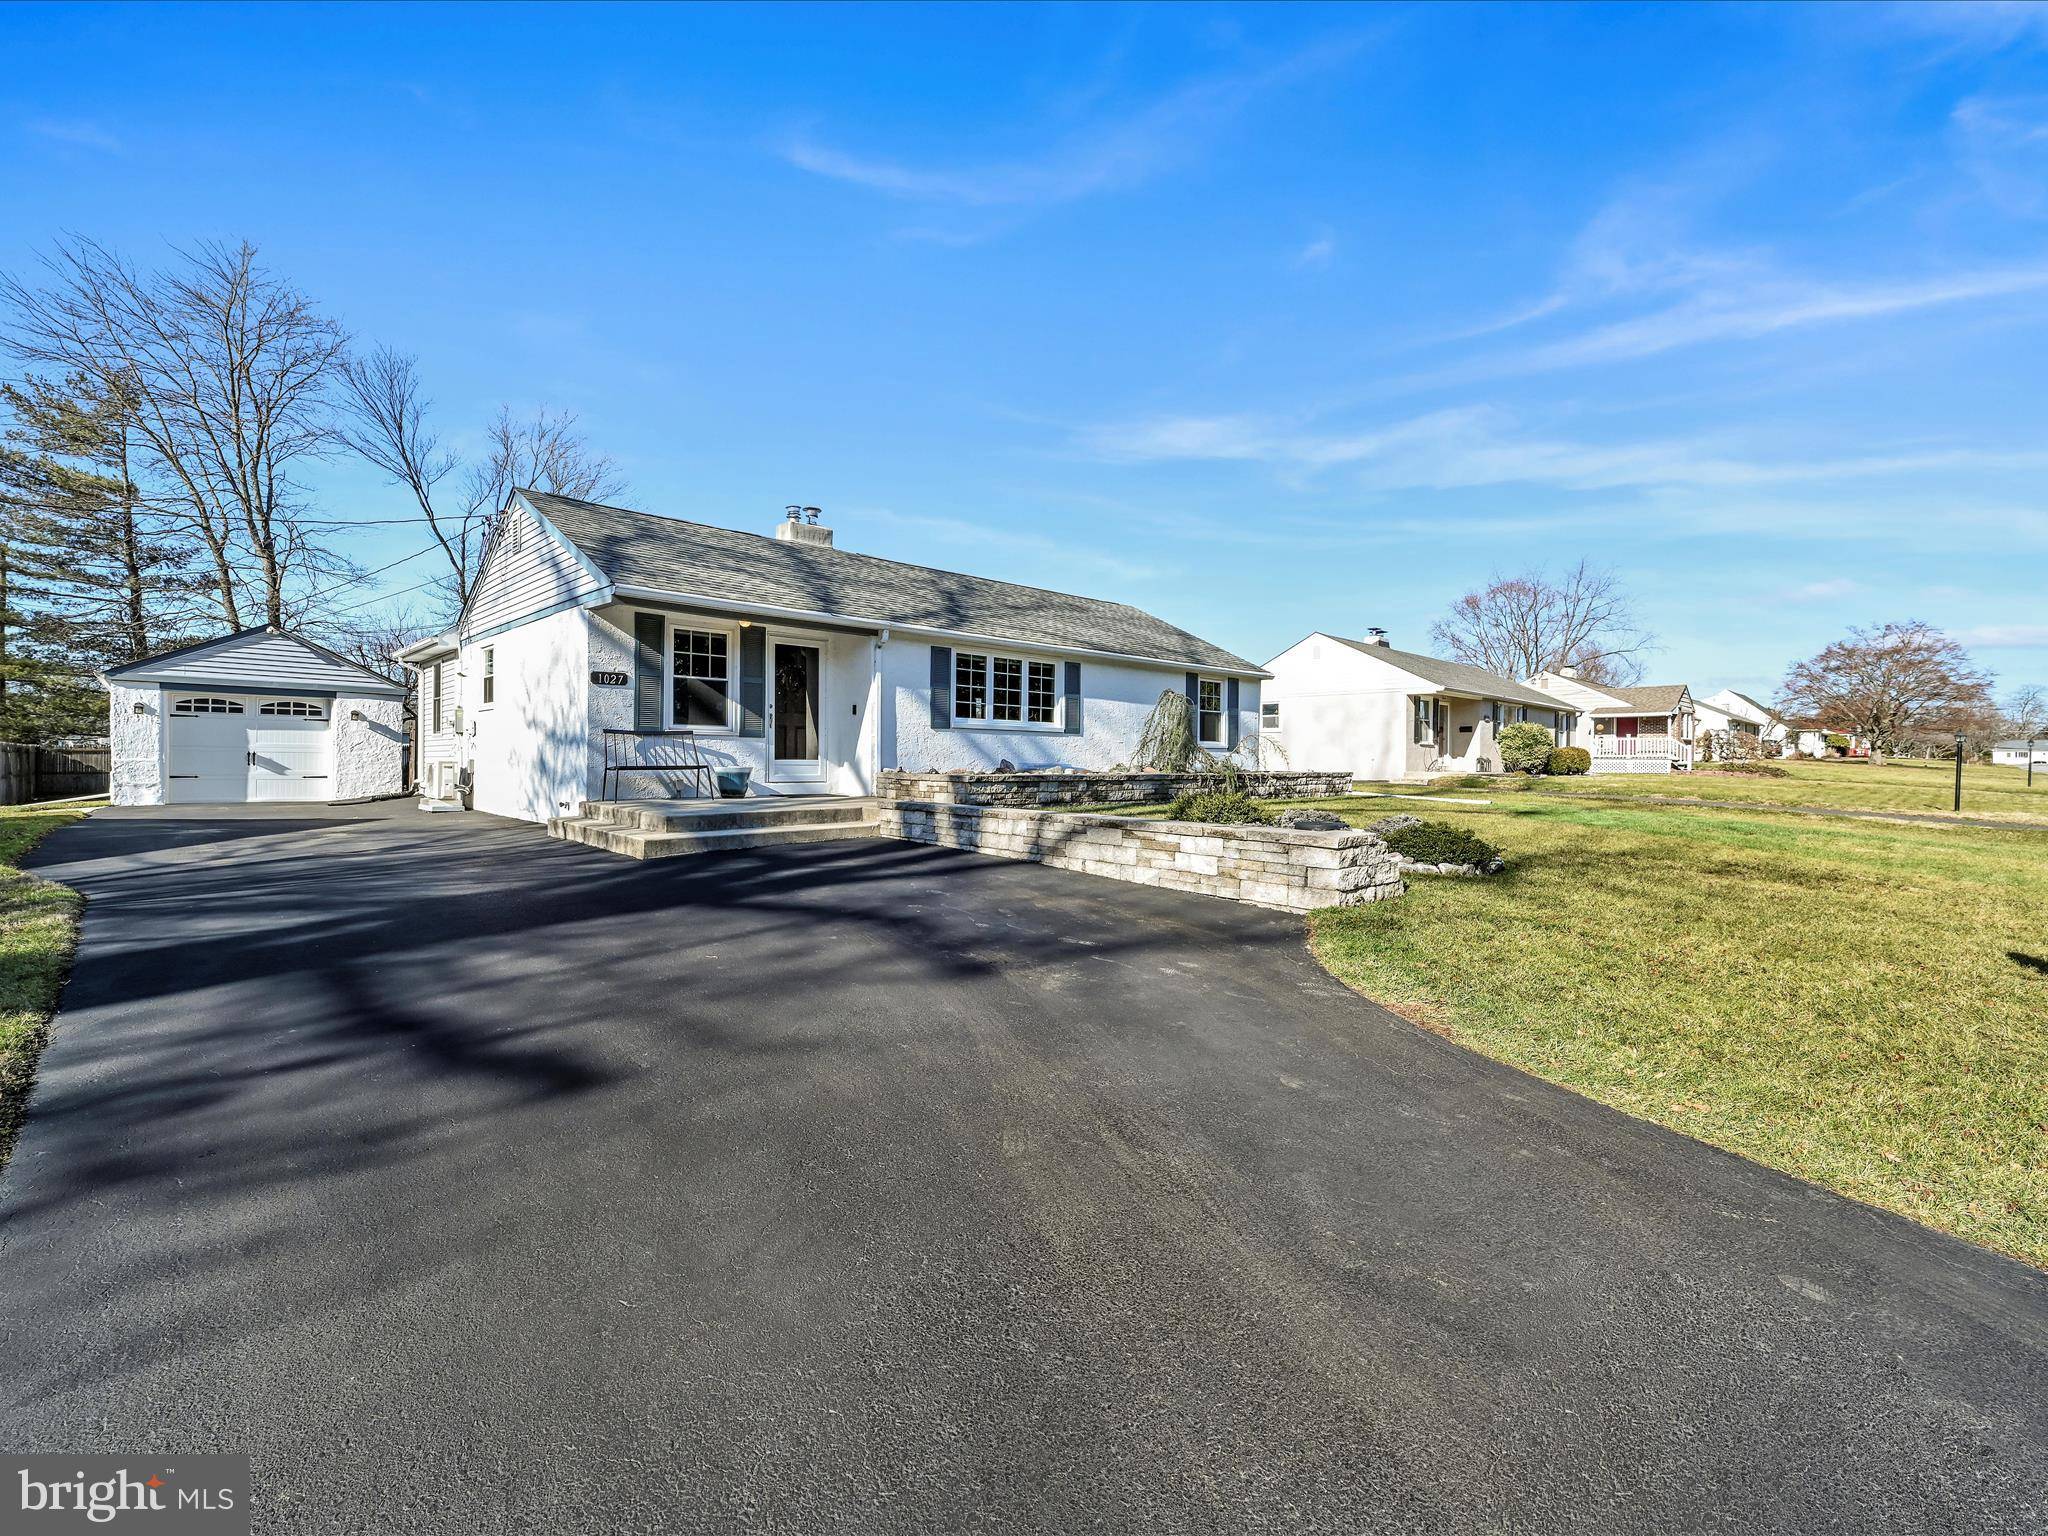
(796, 712)
(228, 749)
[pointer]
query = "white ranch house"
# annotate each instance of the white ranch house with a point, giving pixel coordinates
(1736, 724)
(597, 635)
(2013, 754)
(1391, 714)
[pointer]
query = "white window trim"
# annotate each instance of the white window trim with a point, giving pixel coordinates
(732, 677)
(1418, 704)
(1264, 718)
(1054, 727)
(1222, 709)
(486, 688)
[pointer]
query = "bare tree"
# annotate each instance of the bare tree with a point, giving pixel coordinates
(1521, 625)
(2025, 713)
(1896, 684)
(224, 368)
(386, 422)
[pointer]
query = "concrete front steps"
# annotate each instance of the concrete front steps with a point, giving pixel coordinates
(666, 829)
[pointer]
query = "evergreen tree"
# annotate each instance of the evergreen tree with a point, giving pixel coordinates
(88, 579)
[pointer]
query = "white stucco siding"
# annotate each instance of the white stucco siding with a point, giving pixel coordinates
(527, 747)
(528, 571)
(1116, 697)
(369, 754)
(1341, 709)
(135, 744)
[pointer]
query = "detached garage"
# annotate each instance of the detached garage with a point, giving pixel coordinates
(256, 717)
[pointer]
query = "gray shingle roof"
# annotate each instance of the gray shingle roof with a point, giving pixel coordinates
(1656, 699)
(667, 554)
(1456, 674)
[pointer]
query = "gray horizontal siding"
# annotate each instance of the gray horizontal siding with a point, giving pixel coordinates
(527, 572)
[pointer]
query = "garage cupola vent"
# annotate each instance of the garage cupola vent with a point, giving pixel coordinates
(800, 525)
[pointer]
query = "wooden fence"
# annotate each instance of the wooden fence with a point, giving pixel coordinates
(51, 773)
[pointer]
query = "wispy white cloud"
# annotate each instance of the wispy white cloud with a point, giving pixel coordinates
(982, 535)
(81, 132)
(1319, 252)
(2001, 142)
(2017, 635)
(1482, 446)
(1108, 156)
(1749, 312)
(1821, 591)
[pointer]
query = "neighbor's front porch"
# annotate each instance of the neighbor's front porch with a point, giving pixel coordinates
(1637, 744)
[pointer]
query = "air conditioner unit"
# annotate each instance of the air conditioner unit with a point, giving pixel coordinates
(442, 782)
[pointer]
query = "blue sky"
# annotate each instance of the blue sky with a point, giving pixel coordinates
(1266, 319)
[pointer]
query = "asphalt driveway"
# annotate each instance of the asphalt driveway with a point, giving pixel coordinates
(476, 1182)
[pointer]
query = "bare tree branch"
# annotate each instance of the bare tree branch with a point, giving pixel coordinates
(1521, 625)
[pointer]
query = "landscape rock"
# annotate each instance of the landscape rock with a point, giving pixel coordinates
(1304, 820)
(1394, 824)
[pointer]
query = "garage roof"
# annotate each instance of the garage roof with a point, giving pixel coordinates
(261, 658)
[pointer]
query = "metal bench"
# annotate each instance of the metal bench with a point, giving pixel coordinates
(677, 756)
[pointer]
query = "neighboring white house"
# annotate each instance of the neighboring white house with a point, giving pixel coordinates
(1634, 730)
(262, 715)
(1389, 714)
(2013, 754)
(595, 632)
(1732, 724)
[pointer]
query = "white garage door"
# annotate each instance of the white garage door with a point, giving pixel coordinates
(231, 748)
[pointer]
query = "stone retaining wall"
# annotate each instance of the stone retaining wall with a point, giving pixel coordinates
(1126, 788)
(1294, 871)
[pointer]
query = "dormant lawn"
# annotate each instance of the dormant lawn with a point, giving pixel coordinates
(1920, 787)
(38, 934)
(1861, 1003)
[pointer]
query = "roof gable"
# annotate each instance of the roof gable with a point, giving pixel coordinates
(702, 561)
(1652, 699)
(256, 658)
(1456, 675)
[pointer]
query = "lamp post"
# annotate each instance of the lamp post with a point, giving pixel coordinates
(1959, 770)
(2030, 762)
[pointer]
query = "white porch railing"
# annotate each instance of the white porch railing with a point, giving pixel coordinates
(1668, 748)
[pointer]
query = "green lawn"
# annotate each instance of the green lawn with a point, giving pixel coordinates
(38, 932)
(1997, 792)
(1863, 1004)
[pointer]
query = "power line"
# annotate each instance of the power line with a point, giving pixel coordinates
(383, 597)
(354, 581)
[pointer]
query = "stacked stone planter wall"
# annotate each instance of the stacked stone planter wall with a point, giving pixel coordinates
(1127, 788)
(1278, 867)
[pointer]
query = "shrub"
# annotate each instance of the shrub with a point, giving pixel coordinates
(1564, 760)
(1220, 807)
(1439, 842)
(1837, 742)
(1755, 768)
(1524, 746)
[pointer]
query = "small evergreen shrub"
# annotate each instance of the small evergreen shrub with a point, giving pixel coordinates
(1221, 808)
(1439, 842)
(1563, 760)
(1524, 746)
(1837, 743)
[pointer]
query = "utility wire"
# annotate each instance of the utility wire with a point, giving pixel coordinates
(383, 597)
(359, 580)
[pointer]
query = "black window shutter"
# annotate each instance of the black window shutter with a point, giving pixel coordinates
(1073, 692)
(1230, 716)
(648, 636)
(1195, 701)
(753, 681)
(942, 687)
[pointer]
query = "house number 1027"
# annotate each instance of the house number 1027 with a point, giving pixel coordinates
(610, 679)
